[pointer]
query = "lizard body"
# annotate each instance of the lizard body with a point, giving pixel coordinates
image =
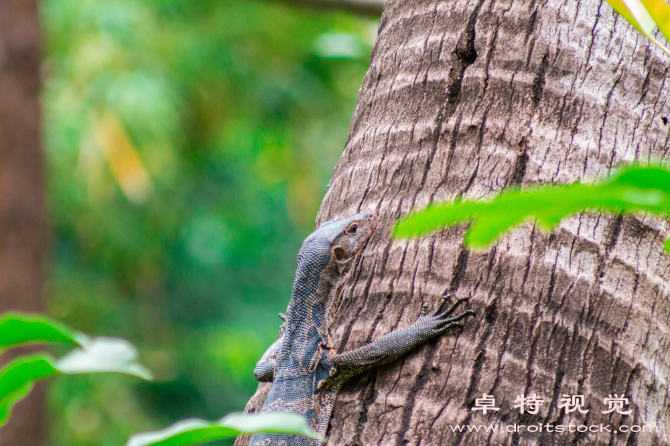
(306, 371)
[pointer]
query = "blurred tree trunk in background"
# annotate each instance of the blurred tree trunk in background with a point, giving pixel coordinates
(22, 206)
(360, 6)
(464, 98)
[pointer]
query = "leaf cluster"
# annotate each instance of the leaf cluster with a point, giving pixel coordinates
(112, 355)
(92, 355)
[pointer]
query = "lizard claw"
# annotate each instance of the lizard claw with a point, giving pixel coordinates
(453, 306)
(444, 300)
(441, 318)
(424, 308)
(282, 327)
(444, 324)
(453, 325)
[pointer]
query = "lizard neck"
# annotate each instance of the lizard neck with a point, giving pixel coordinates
(316, 276)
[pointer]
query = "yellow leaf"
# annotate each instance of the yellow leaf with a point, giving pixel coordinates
(645, 15)
(660, 12)
(641, 15)
(620, 7)
(122, 157)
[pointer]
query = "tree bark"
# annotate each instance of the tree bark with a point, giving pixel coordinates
(464, 98)
(22, 207)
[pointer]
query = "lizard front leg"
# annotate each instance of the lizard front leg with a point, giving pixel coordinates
(392, 346)
(265, 367)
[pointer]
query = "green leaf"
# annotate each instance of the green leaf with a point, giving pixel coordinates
(194, 431)
(17, 379)
(99, 355)
(636, 189)
(20, 329)
(104, 355)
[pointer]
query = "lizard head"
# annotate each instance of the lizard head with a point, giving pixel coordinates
(330, 250)
(323, 261)
(347, 237)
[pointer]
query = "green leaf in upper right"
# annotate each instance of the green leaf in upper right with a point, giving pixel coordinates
(633, 190)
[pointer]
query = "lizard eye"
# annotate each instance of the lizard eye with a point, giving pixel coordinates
(352, 229)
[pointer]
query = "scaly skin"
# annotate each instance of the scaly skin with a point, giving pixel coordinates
(306, 371)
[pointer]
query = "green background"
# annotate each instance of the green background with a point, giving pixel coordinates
(237, 111)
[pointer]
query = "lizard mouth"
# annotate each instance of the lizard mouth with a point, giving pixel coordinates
(373, 220)
(372, 224)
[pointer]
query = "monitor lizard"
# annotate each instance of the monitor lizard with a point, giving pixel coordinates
(304, 367)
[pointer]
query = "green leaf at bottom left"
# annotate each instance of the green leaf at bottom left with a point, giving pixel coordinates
(18, 377)
(99, 355)
(195, 431)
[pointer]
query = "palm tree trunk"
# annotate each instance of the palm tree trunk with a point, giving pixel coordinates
(464, 98)
(22, 207)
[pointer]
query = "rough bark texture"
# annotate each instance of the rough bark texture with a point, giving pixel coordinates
(464, 98)
(22, 208)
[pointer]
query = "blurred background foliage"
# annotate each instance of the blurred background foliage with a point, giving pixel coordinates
(189, 144)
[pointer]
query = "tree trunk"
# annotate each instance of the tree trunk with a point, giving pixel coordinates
(464, 98)
(22, 207)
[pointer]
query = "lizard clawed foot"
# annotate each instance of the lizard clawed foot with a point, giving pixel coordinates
(453, 321)
(440, 317)
(453, 306)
